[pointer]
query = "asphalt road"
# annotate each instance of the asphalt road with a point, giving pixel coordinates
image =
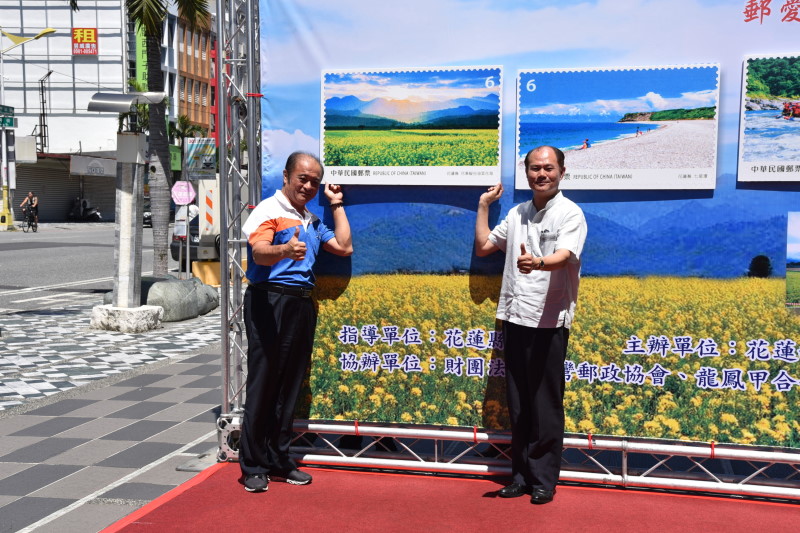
(61, 263)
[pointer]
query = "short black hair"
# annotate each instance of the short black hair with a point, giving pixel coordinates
(559, 155)
(291, 162)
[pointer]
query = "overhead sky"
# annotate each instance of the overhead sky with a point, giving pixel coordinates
(416, 85)
(301, 38)
(793, 237)
(358, 34)
(617, 91)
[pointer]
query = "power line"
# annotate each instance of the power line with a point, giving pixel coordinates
(69, 76)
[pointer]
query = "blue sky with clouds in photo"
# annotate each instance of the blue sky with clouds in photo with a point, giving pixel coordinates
(615, 92)
(401, 85)
(301, 38)
(793, 237)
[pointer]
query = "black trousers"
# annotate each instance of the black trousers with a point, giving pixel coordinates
(535, 393)
(280, 337)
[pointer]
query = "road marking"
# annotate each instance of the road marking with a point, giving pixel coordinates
(59, 296)
(61, 285)
(57, 286)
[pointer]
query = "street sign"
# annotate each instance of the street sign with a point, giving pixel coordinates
(8, 122)
(183, 193)
(200, 158)
(6, 110)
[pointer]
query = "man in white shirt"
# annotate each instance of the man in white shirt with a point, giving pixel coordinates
(543, 240)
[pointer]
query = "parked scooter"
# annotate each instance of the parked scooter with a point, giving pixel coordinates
(82, 211)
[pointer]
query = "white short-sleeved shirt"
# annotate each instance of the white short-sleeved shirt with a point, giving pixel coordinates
(544, 299)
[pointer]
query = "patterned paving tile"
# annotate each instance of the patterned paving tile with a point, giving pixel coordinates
(26, 511)
(49, 351)
(34, 478)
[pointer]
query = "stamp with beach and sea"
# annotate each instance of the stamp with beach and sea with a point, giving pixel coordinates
(625, 128)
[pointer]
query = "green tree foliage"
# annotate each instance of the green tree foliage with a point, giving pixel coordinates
(672, 114)
(184, 128)
(685, 114)
(777, 77)
(142, 110)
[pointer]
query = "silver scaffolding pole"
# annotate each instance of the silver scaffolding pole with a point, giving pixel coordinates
(239, 119)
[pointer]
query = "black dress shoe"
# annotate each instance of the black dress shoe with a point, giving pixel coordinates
(540, 496)
(515, 490)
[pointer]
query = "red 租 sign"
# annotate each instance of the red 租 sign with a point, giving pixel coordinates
(84, 41)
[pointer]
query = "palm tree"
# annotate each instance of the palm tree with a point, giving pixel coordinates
(142, 110)
(184, 128)
(150, 15)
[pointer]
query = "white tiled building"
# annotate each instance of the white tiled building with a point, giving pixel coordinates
(53, 108)
(74, 78)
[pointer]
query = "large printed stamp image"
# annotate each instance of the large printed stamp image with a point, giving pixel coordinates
(626, 128)
(769, 126)
(431, 126)
(793, 261)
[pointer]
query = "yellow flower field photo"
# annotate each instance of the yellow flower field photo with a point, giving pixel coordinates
(702, 397)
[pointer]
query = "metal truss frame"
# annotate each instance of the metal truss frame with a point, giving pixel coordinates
(621, 462)
(614, 462)
(238, 72)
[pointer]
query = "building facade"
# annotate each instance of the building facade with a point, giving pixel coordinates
(195, 68)
(50, 81)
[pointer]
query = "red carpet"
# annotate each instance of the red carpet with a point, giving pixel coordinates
(355, 501)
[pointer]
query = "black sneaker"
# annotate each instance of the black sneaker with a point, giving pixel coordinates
(294, 477)
(256, 483)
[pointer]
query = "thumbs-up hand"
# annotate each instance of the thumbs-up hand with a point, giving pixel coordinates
(296, 249)
(525, 260)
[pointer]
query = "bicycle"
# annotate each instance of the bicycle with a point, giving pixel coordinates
(29, 221)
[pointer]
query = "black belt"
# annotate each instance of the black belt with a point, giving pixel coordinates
(283, 289)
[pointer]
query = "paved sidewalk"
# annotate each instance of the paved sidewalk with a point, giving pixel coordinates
(95, 424)
(49, 351)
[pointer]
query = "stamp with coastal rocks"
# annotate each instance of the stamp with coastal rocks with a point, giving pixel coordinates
(623, 128)
(769, 124)
(415, 126)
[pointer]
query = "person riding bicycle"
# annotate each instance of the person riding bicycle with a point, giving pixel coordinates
(33, 203)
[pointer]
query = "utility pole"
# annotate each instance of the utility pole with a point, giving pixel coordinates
(126, 314)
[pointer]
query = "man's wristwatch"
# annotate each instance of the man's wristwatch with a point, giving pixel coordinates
(541, 264)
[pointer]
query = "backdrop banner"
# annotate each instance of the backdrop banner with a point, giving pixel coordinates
(682, 329)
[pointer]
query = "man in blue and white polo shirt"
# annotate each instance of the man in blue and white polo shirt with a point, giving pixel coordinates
(283, 241)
